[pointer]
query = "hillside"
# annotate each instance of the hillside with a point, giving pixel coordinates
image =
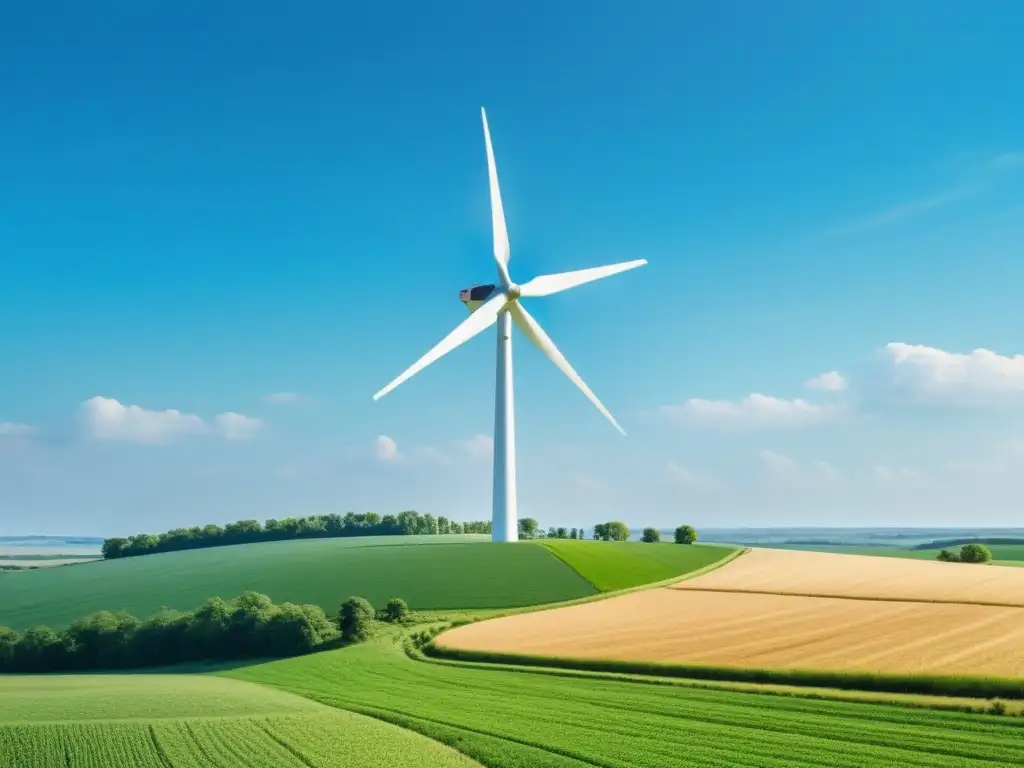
(435, 572)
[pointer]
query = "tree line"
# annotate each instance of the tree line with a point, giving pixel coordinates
(969, 553)
(408, 523)
(249, 626)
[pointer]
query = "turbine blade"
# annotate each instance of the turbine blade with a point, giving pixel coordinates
(501, 246)
(545, 285)
(483, 318)
(524, 320)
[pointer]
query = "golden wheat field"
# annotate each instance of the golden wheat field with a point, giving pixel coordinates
(789, 572)
(695, 623)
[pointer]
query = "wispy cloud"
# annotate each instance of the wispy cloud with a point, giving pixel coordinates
(790, 472)
(909, 210)
(286, 398)
(1006, 161)
(386, 448)
(105, 418)
(689, 478)
(755, 410)
(828, 382)
(13, 429)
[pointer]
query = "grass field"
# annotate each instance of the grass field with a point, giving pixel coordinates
(1002, 554)
(191, 721)
(428, 572)
(760, 631)
(611, 566)
(513, 719)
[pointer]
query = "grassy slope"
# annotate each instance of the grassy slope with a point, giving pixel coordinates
(189, 720)
(424, 571)
(611, 566)
(511, 718)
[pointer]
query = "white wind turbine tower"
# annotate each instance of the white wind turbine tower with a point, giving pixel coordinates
(490, 304)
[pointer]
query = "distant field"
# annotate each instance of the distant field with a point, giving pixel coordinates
(192, 721)
(1001, 553)
(611, 566)
(428, 572)
(792, 572)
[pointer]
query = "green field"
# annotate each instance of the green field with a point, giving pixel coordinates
(513, 718)
(611, 566)
(1002, 554)
(434, 572)
(186, 721)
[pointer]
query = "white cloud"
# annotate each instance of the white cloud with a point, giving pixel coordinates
(479, 446)
(105, 418)
(235, 426)
(937, 374)
(433, 453)
(755, 410)
(899, 213)
(13, 429)
(828, 382)
(688, 478)
(900, 477)
(815, 474)
(585, 482)
(285, 398)
(387, 448)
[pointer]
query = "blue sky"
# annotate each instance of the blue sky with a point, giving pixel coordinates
(206, 208)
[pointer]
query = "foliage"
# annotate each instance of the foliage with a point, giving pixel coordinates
(651, 535)
(948, 557)
(686, 534)
(975, 553)
(632, 563)
(613, 531)
(528, 528)
(396, 610)
(503, 717)
(429, 572)
(248, 626)
(409, 523)
(356, 619)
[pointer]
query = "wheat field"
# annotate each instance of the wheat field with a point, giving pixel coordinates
(874, 614)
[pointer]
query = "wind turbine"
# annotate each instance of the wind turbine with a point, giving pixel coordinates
(490, 304)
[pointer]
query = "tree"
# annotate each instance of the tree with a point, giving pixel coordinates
(572, 533)
(686, 534)
(618, 531)
(8, 647)
(947, 557)
(651, 535)
(975, 553)
(562, 533)
(113, 548)
(356, 619)
(396, 610)
(601, 532)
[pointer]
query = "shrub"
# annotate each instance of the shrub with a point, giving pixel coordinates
(651, 535)
(996, 707)
(356, 619)
(686, 534)
(947, 557)
(396, 610)
(975, 553)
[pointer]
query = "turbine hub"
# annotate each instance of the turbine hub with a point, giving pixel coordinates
(513, 291)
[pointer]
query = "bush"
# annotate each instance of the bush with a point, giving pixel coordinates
(975, 553)
(947, 557)
(613, 531)
(651, 535)
(996, 707)
(685, 534)
(356, 619)
(396, 610)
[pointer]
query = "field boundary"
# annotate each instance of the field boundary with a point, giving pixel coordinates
(974, 687)
(865, 598)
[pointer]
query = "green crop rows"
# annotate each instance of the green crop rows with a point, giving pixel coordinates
(426, 573)
(516, 719)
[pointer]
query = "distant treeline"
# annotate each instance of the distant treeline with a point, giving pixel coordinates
(409, 523)
(248, 626)
(958, 542)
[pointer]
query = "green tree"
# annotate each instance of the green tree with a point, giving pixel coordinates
(356, 619)
(163, 638)
(113, 548)
(8, 647)
(601, 532)
(102, 640)
(686, 534)
(947, 557)
(40, 650)
(651, 535)
(396, 610)
(528, 528)
(618, 531)
(562, 533)
(295, 629)
(572, 533)
(975, 553)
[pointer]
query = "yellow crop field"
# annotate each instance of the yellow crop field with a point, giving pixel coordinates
(756, 612)
(789, 572)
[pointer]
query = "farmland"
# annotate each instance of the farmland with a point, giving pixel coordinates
(621, 565)
(1002, 554)
(96, 721)
(518, 719)
(765, 631)
(433, 572)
